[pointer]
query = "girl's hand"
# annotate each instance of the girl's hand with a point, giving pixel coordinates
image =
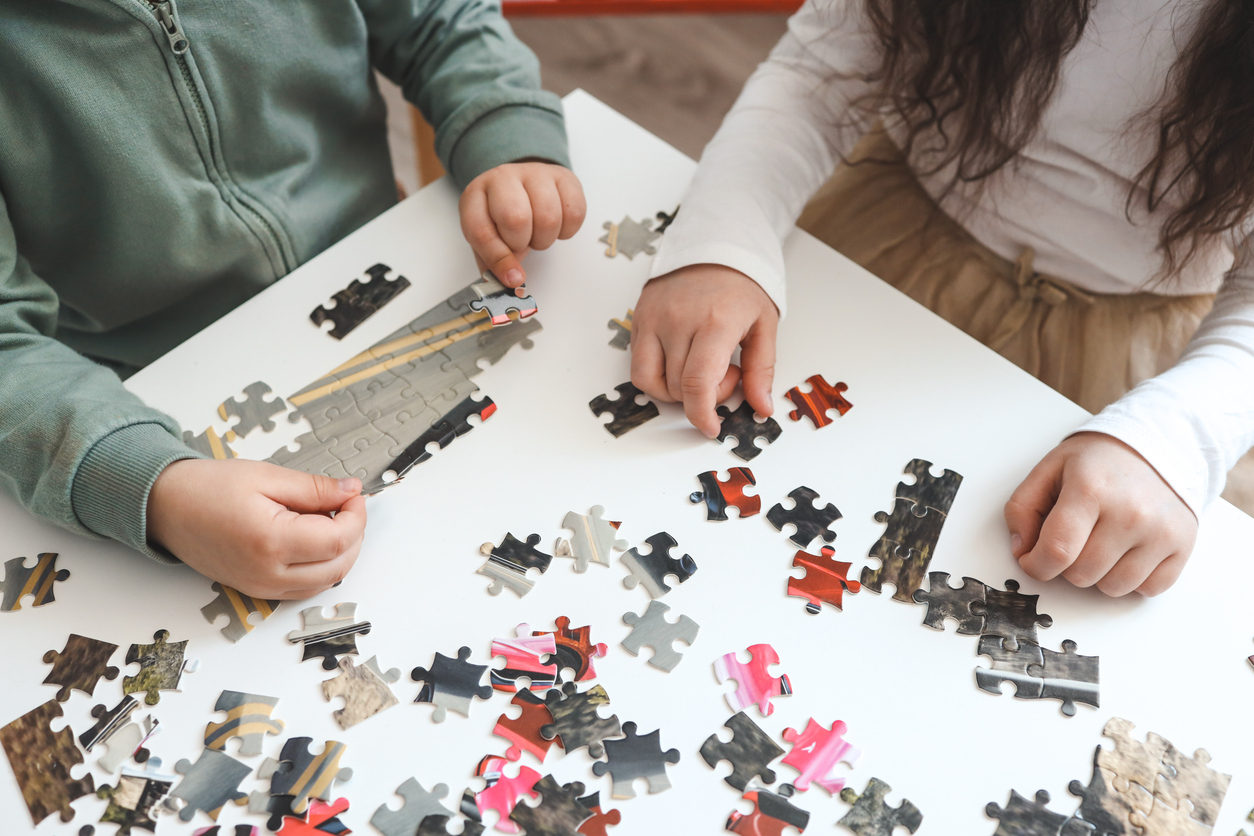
(685, 329)
(1097, 513)
(514, 208)
(260, 528)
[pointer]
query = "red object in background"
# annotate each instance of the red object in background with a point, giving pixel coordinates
(573, 8)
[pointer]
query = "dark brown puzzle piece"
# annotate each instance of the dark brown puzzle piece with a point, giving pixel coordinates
(41, 761)
(80, 665)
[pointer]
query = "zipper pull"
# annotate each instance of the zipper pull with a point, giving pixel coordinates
(163, 10)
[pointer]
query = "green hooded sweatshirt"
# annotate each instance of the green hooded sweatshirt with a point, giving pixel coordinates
(161, 162)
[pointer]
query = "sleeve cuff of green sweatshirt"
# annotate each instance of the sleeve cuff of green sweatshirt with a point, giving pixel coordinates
(111, 485)
(506, 134)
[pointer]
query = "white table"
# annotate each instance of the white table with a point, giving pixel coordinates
(1174, 665)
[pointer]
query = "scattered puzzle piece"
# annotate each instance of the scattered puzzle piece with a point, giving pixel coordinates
(108, 722)
(236, 606)
(944, 601)
(870, 816)
(80, 665)
(132, 801)
(559, 812)
(622, 330)
(523, 660)
(718, 494)
(746, 429)
(825, 580)
(438, 826)
(750, 752)
(329, 638)
(665, 220)
(247, 717)
(594, 539)
(772, 812)
(653, 630)
(636, 756)
(209, 783)
(576, 721)
(303, 775)
(451, 684)
(418, 805)
(359, 301)
(816, 403)
(364, 691)
(806, 517)
(209, 444)
(1009, 665)
(501, 793)
(651, 568)
(321, 818)
(575, 650)
(508, 564)
(815, 753)
(127, 743)
(754, 683)
(37, 581)
(596, 826)
(1068, 676)
(627, 414)
(161, 666)
(1026, 818)
(253, 412)
(629, 237)
(497, 301)
(41, 761)
(523, 733)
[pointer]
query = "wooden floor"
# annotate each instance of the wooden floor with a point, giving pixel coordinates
(676, 75)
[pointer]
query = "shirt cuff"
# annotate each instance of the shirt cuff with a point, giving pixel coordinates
(751, 263)
(111, 485)
(506, 134)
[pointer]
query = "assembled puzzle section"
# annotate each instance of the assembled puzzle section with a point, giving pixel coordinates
(378, 414)
(914, 527)
(36, 582)
(359, 301)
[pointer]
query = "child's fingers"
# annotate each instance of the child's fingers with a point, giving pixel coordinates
(1063, 534)
(314, 538)
(308, 492)
(1164, 575)
(546, 211)
(490, 249)
(1107, 545)
(676, 347)
(757, 364)
(706, 370)
(1130, 571)
(509, 206)
(574, 207)
(648, 362)
(1028, 506)
(322, 575)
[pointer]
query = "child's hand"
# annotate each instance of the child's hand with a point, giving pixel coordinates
(1095, 512)
(512, 209)
(685, 329)
(260, 528)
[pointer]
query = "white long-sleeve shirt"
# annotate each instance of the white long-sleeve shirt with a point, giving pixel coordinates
(1066, 196)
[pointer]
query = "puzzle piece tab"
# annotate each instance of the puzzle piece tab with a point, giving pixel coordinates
(754, 683)
(806, 517)
(327, 638)
(236, 606)
(750, 752)
(636, 756)
(627, 414)
(815, 753)
(576, 722)
(717, 494)
(595, 538)
(816, 403)
(451, 684)
(36, 581)
(870, 816)
(508, 564)
(359, 301)
(80, 665)
(651, 569)
(653, 630)
(825, 580)
(523, 660)
(741, 425)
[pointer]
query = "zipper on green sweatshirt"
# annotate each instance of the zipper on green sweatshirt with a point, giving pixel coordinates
(179, 45)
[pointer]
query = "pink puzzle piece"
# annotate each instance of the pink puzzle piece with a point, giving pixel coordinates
(522, 659)
(754, 684)
(503, 792)
(816, 751)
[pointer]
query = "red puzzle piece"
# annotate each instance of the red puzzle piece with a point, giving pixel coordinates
(815, 403)
(771, 814)
(524, 733)
(575, 649)
(596, 825)
(319, 820)
(825, 581)
(717, 494)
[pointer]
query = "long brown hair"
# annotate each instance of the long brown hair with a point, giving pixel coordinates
(978, 75)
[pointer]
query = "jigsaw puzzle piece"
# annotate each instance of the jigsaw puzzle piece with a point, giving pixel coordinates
(750, 752)
(653, 630)
(717, 494)
(825, 580)
(559, 812)
(1010, 614)
(595, 538)
(912, 527)
(870, 816)
(497, 301)
(754, 683)
(253, 412)
(80, 665)
(772, 813)
(321, 818)
(651, 569)
(629, 237)
(310, 456)
(1107, 809)
(326, 637)
(815, 753)
(596, 826)
(946, 602)
(508, 563)
(209, 783)
(743, 426)
(236, 606)
(108, 722)
(1168, 821)
(622, 331)
(524, 732)
(576, 721)
(418, 805)
(575, 649)
(451, 684)
(36, 581)
(627, 414)
(301, 774)
(1191, 779)
(928, 491)
(127, 743)
(438, 826)
(815, 404)
(501, 793)
(208, 444)
(450, 426)
(1010, 664)
(1068, 676)
(636, 756)
(806, 517)
(899, 567)
(1026, 818)
(523, 660)
(1131, 761)
(133, 800)
(247, 717)
(42, 760)
(359, 301)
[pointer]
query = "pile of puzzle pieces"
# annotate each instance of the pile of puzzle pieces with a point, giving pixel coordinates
(1144, 787)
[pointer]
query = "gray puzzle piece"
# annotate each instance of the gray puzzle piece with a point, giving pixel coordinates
(1010, 614)
(496, 300)
(253, 412)
(636, 756)
(236, 606)
(451, 684)
(209, 783)
(870, 816)
(622, 331)
(1068, 676)
(418, 805)
(1010, 665)
(247, 717)
(629, 237)
(653, 630)
(651, 568)
(945, 602)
